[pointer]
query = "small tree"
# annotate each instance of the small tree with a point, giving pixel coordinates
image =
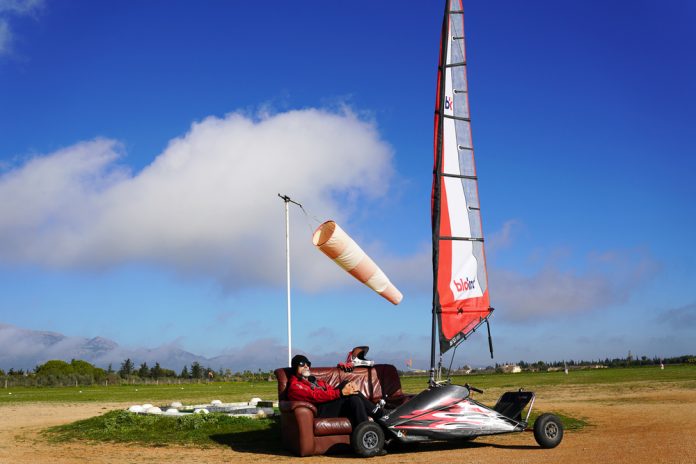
(156, 371)
(126, 368)
(144, 371)
(196, 371)
(184, 373)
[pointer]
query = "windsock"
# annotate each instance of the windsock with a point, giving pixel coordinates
(337, 245)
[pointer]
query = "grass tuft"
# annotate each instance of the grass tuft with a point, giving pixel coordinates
(204, 430)
(569, 423)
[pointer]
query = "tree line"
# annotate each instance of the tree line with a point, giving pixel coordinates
(81, 373)
(628, 361)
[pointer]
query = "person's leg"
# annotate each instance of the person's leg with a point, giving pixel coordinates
(354, 409)
(370, 406)
(330, 409)
(357, 408)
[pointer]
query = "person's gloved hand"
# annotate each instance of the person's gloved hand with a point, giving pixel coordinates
(346, 366)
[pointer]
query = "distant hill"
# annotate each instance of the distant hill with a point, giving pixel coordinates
(24, 349)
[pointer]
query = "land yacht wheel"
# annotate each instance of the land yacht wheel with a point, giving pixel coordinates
(367, 439)
(548, 430)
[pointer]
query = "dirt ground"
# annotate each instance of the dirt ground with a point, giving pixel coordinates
(629, 424)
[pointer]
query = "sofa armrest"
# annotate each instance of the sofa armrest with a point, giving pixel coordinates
(290, 406)
(297, 426)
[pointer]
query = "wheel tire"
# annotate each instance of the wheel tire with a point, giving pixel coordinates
(367, 439)
(548, 431)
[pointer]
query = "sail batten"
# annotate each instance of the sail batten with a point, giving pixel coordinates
(460, 300)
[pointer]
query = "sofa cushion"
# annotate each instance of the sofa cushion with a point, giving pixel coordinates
(332, 426)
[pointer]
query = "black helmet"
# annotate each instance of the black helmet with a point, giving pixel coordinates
(299, 360)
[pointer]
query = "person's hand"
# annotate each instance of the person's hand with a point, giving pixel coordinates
(349, 389)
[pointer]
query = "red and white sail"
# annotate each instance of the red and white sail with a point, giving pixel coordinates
(460, 300)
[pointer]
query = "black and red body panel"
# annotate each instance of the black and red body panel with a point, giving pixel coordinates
(447, 412)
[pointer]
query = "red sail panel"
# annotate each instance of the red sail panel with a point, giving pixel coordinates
(461, 300)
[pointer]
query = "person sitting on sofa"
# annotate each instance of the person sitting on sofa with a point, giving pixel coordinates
(343, 400)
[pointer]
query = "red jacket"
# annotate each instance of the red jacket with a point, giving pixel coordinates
(303, 390)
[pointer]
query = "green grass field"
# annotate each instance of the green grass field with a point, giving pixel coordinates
(684, 376)
(138, 394)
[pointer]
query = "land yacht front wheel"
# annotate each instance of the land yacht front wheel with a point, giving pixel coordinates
(548, 430)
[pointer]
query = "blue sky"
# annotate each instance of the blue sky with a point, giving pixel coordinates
(142, 146)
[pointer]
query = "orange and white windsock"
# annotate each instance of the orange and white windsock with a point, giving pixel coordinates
(338, 246)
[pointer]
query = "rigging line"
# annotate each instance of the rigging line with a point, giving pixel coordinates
(309, 217)
(490, 339)
(449, 369)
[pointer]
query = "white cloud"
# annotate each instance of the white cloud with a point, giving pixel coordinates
(9, 8)
(503, 238)
(5, 37)
(206, 206)
(20, 7)
(554, 291)
(410, 273)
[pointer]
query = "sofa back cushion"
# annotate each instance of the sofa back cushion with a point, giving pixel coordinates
(374, 382)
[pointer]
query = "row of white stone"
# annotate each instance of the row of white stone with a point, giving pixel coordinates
(175, 408)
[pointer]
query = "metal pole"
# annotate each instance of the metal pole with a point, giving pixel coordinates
(287, 201)
(287, 270)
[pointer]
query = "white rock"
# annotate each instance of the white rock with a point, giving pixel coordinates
(200, 411)
(171, 412)
(147, 406)
(153, 410)
(136, 408)
(254, 401)
(176, 404)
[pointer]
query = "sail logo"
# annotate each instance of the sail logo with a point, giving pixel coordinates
(449, 104)
(464, 284)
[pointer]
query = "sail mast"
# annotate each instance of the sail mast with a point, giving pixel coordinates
(437, 170)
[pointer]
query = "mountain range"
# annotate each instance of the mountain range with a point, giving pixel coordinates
(25, 349)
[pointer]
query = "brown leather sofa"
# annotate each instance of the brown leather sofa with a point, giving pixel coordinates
(306, 435)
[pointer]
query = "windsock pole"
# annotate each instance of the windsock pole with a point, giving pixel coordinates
(287, 201)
